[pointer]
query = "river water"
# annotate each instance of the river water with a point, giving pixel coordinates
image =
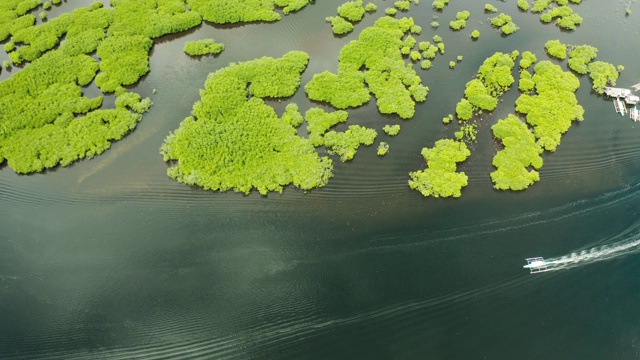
(110, 258)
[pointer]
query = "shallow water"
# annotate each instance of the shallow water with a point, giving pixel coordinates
(110, 258)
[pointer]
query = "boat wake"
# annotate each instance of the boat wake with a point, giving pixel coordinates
(589, 256)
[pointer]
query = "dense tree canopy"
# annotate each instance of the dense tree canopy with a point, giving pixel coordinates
(352, 10)
(233, 142)
(440, 178)
(580, 57)
(378, 49)
(203, 47)
(225, 12)
(493, 79)
(346, 144)
(520, 152)
(554, 106)
(556, 49)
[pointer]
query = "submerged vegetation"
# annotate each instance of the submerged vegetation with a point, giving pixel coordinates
(235, 142)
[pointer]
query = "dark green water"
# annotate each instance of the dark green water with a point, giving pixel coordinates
(112, 259)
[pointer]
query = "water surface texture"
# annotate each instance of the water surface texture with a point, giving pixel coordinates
(111, 259)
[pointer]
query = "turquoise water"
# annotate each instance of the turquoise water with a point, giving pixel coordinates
(110, 258)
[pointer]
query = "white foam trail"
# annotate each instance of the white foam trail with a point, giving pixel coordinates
(596, 254)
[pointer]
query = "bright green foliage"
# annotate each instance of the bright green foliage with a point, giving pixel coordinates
(46, 5)
(424, 45)
(475, 34)
(351, 10)
(228, 12)
(151, 19)
(526, 84)
(203, 47)
(431, 52)
(551, 111)
(6, 64)
(540, 5)
(132, 101)
(232, 142)
(520, 152)
(39, 108)
(459, 58)
(504, 23)
(580, 57)
(479, 96)
(464, 110)
(467, 132)
(528, 59)
(416, 29)
(391, 130)
(437, 39)
(447, 119)
(339, 26)
(390, 11)
(620, 68)
(292, 115)
(96, 5)
(370, 7)
(523, 5)
(425, 64)
(404, 5)
(440, 4)
(124, 59)
(383, 148)
(602, 74)
(440, 178)
(556, 49)
(12, 15)
(396, 85)
(8, 47)
(494, 78)
(452, 64)
(42, 15)
(342, 91)
(490, 8)
(320, 122)
(56, 2)
(435, 24)
(441, 48)
(289, 6)
(346, 144)
(567, 19)
(416, 56)
(461, 20)
(495, 73)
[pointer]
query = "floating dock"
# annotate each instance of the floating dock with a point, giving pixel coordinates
(622, 98)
